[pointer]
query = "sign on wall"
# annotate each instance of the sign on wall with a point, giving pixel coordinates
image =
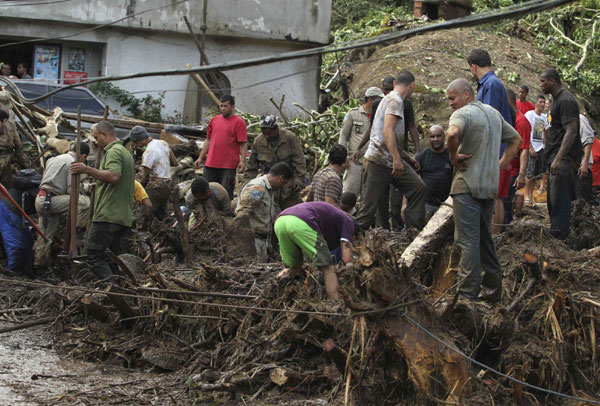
(74, 77)
(76, 59)
(47, 62)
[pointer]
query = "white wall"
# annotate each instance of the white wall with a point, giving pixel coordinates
(127, 51)
(295, 20)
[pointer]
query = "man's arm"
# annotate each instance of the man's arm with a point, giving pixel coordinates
(345, 131)
(346, 252)
(172, 159)
(103, 175)
(452, 139)
(389, 123)
(523, 161)
(145, 176)
(363, 142)
(565, 146)
(243, 153)
(583, 168)
(203, 153)
(414, 133)
(511, 150)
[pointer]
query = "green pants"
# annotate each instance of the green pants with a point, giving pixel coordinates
(296, 237)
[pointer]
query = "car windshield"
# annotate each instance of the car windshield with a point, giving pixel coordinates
(68, 100)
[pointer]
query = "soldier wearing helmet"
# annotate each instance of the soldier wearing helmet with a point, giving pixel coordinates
(275, 145)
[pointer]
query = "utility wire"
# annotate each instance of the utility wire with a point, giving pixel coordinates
(457, 351)
(91, 28)
(512, 12)
(30, 3)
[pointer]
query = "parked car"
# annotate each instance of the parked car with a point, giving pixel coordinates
(68, 100)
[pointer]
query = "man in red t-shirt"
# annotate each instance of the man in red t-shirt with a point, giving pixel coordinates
(523, 104)
(225, 147)
(596, 167)
(518, 166)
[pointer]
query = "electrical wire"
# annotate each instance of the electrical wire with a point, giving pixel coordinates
(96, 27)
(512, 12)
(30, 3)
(515, 380)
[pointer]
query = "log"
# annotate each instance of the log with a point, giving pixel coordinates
(120, 303)
(97, 310)
(430, 239)
(27, 324)
(433, 369)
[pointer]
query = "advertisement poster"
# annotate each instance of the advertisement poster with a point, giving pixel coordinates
(76, 59)
(46, 64)
(74, 77)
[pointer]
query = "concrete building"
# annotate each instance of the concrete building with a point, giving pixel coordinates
(68, 40)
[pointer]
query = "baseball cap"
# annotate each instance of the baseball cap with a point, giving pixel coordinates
(138, 133)
(374, 92)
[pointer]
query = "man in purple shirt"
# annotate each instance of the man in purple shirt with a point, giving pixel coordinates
(315, 229)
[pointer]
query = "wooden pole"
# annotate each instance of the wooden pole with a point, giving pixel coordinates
(99, 154)
(74, 198)
(198, 79)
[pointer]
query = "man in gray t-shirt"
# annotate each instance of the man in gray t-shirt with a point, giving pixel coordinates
(474, 135)
(386, 161)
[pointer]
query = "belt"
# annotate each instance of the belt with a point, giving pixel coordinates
(261, 236)
(8, 151)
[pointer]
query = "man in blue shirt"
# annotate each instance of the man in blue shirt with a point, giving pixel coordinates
(491, 91)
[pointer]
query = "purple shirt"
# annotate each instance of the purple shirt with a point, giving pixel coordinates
(325, 219)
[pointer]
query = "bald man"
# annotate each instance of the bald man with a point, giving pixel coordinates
(436, 170)
(474, 135)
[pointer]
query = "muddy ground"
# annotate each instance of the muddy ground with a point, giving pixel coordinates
(187, 350)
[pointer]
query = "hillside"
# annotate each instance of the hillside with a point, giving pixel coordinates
(439, 57)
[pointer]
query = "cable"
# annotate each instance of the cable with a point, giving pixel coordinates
(92, 28)
(512, 12)
(455, 350)
(29, 3)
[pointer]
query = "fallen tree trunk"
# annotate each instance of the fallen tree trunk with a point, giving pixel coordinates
(430, 239)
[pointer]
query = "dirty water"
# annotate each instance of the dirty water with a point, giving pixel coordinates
(32, 373)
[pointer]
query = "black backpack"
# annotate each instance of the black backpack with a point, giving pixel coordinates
(24, 189)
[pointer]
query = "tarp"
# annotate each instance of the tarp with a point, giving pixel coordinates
(18, 241)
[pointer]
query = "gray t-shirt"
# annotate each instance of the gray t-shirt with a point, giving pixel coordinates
(377, 152)
(482, 129)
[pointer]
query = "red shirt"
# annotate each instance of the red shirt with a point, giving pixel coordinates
(225, 134)
(596, 164)
(524, 129)
(525, 107)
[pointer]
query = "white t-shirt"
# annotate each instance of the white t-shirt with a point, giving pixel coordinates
(156, 158)
(378, 152)
(586, 133)
(538, 123)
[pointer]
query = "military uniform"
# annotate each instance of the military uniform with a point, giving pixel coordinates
(257, 200)
(356, 123)
(286, 148)
(10, 142)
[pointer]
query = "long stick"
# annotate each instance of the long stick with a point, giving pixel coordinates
(9, 197)
(99, 154)
(74, 198)
(27, 324)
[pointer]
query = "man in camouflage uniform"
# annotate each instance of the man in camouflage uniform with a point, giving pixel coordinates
(277, 145)
(258, 203)
(10, 142)
(356, 123)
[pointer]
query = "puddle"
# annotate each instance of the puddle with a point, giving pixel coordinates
(32, 373)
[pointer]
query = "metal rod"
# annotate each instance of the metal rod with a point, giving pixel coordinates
(9, 197)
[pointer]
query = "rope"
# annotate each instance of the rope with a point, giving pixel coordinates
(515, 380)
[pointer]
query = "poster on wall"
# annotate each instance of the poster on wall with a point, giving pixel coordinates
(46, 64)
(74, 77)
(76, 59)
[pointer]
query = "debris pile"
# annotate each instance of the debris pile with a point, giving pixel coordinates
(269, 336)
